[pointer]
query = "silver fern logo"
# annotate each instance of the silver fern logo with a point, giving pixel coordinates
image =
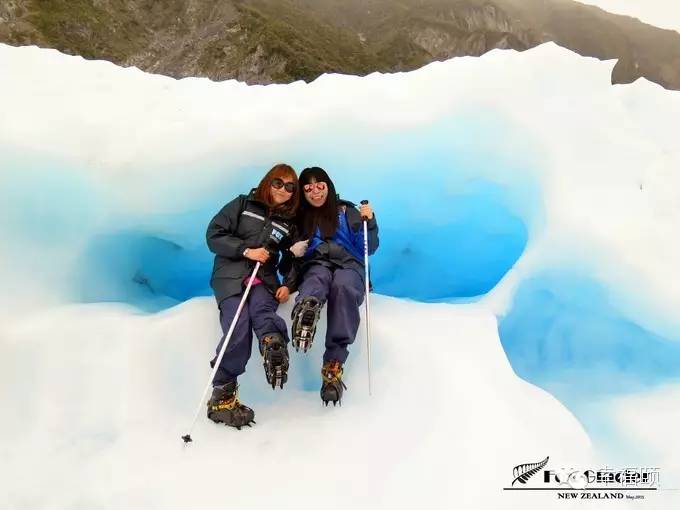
(523, 472)
(572, 483)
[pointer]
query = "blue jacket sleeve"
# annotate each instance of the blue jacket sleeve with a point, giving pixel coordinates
(372, 226)
(373, 240)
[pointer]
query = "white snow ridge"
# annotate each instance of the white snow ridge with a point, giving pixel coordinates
(96, 393)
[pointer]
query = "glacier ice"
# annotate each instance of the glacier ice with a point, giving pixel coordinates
(521, 184)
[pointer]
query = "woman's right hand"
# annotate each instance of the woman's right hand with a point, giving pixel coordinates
(257, 254)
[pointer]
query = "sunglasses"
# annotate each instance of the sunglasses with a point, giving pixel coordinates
(318, 185)
(278, 184)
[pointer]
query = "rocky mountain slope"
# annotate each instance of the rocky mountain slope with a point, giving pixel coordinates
(266, 41)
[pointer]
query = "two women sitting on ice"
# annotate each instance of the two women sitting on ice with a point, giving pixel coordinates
(316, 242)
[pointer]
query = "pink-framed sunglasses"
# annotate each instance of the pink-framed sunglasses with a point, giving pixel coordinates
(320, 186)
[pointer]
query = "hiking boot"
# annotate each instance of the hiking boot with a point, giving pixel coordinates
(224, 407)
(332, 385)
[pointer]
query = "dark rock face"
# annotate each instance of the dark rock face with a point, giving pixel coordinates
(279, 41)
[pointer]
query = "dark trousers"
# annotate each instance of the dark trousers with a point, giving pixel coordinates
(343, 291)
(258, 314)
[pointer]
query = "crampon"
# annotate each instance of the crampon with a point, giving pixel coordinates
(275, 356)
(305, 316)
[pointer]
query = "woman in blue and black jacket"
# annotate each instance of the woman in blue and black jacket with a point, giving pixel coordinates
(332, 271)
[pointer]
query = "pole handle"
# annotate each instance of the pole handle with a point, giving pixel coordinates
(364, 202)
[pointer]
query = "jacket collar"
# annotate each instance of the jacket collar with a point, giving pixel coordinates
(345, 202)
(251, 198)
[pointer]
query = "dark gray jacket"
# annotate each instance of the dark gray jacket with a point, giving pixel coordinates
(244, 223)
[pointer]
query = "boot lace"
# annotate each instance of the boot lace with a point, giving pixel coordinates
(332, 373)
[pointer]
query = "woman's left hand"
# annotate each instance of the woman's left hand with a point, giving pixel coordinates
(282, 294)
(298, 249)
(366, 211)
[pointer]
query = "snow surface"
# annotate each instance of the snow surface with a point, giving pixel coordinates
(99, 425)
(505, 183)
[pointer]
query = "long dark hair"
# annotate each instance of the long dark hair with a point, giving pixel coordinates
(324, 217)
(263, 193)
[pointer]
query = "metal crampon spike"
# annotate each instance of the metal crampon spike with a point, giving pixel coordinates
(305, 316)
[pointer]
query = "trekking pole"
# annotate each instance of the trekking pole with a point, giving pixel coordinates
(368, 308)
(187, 438)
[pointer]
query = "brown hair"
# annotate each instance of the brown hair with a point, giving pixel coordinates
(263, 193)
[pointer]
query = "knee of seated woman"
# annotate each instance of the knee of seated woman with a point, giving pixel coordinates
(347, 288)
(347, 278)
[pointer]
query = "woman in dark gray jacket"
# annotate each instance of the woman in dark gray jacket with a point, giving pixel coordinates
(258, 227)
